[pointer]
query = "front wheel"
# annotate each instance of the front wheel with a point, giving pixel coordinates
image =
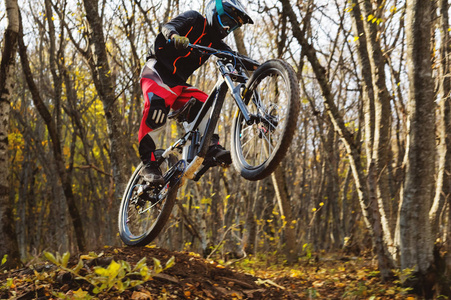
(142, 215)
(272, 98)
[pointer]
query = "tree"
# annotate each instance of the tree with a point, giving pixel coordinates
(415, 229)
(376, 102)
(443, 121)
(9, 245)
(98, 61)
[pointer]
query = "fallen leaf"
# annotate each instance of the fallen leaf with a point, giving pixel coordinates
(144, 295)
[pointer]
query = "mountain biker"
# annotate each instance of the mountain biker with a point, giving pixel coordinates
(169, 64)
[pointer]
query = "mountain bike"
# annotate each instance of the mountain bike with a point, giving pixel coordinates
(268, 106)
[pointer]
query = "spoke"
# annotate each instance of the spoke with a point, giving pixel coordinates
(268, 139)
(250, 148)
(247, 134)
(245, 144)
(261, 154)
(150, 207)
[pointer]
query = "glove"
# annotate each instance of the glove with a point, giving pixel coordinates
(180, 42)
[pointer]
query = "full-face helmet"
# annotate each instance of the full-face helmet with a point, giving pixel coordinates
(226, 15)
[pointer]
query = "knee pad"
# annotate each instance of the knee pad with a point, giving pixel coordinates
(158, 112)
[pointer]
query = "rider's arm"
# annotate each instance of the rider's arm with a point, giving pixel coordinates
(180, 24)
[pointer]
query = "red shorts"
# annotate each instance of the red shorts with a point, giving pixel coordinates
(173, 97)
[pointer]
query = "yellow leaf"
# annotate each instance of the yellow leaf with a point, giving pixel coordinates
(50, 257)
(157, 268)
(101, 271)
(65, 259)
(113, 269)
(80, 294)
(170, 262)
(390, 292)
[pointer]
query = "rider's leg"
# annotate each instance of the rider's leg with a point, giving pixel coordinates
(157, 100)
(151, 171)
(154, 117)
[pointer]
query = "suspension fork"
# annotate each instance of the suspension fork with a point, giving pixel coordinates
(236, 92)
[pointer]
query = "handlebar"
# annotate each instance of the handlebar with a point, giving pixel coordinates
(247, 62)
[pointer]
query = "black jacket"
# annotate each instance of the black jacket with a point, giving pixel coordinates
(175, 66)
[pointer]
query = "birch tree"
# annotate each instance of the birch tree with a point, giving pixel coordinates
(415, 229)
(9, 245)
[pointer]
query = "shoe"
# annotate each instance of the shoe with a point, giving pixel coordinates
(152, 173)
(218, 153)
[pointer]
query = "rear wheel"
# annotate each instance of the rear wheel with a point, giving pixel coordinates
(272, 98)
(142, 215)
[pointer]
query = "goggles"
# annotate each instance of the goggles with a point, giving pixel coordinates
(227, 22)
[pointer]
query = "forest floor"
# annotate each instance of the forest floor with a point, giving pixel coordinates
(121, 273)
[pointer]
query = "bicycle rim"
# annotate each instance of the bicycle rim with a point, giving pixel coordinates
(259, 142)
(142, 219)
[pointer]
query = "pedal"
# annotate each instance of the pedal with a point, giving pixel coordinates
(223, 158)
(217, 155)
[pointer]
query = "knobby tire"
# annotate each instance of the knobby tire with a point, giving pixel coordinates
(262, 169)
(156, 226)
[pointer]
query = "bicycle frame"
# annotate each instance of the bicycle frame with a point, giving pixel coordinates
(195, 142)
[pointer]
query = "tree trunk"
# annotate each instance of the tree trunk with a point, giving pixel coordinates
(100, 69)
(61, 237)
(239, 40)
(377, 113)
(8, 244)
(415, 229)
(442, 190)
(367, 89)
(283, 200)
